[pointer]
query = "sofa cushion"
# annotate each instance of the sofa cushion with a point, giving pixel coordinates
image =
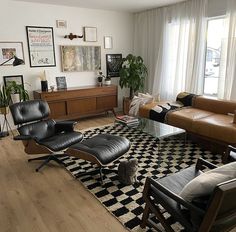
(184, 117)
(217, 106)
(205, 183)
(216, 126)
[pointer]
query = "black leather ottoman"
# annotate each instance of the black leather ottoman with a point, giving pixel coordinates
(101, 149)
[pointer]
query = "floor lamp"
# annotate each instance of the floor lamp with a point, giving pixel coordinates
(16, 62)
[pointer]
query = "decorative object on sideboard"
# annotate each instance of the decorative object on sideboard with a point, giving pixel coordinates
(113, 64)
(71, 36)
(80, 58)
(132, 74)
(61, 82)
(100, 78)
(108, 44)
(52, 87)
(41, 46)
(61, 23)
(8, 52)
(15, 87)
(44, 82)
(90, 34)
(108, 80)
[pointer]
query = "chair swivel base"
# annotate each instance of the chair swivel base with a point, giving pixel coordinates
(99, 170)
(47, 159)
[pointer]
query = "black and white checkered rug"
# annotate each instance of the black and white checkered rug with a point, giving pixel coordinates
(125, 202)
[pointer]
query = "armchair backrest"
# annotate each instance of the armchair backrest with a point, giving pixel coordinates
(31, 117)
(29, 111)
(221, 213)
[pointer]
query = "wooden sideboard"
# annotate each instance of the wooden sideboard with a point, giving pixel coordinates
(73, 103)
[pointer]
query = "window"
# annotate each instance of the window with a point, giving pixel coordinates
(214, 61)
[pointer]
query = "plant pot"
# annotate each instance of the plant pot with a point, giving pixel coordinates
(15, 97)
(107, 82)
(4, 110)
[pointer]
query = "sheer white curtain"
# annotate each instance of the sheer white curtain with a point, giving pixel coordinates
(172, 42)
(227, 81)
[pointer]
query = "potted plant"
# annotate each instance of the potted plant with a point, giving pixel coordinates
(132, 74)
(107, 80)
(4, 100)
(17, 92)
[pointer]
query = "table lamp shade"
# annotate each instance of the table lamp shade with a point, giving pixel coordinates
(16, 61)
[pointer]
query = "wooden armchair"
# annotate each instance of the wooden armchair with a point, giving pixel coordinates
(229, 155)
(213, 212)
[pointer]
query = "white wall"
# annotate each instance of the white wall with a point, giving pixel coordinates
(16, 15)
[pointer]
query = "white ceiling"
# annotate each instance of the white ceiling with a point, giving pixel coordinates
(116, 5)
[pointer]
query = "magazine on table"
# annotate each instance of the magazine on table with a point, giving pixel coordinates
(126, 119)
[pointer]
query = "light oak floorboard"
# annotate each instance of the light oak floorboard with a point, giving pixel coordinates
(51, 200)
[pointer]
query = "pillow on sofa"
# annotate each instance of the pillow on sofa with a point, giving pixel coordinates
(137, 101)
(205, 183)
(185, 98)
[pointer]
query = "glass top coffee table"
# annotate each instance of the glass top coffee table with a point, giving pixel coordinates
(158, 129)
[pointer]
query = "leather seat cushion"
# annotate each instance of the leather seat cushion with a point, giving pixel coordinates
(175, 183)
(61, 141)
(105, 147)
(185, 117)
(217, 126)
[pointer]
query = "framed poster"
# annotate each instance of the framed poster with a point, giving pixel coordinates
(80, 58)
(108, 42)
(10, 49)
(17, 78)
(61, 82)
(41, 46)
(113, 64)
(90, 34)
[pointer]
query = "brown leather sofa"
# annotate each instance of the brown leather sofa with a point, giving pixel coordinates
(208, 118)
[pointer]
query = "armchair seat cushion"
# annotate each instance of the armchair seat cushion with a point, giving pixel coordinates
(61, 141)
(176, 183)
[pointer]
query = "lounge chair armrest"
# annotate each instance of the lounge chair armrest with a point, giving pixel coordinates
(201, 163)
(65, 126)
(172, 195)
(22, 137)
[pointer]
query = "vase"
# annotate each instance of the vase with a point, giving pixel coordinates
(44, 86)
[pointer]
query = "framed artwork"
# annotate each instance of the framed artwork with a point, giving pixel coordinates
(8, 50)
(80, 58)
(108, 42)
(113, 64)
(61, 82)
(17, 78)
(61, 23)
(41, 46)
(90, 34)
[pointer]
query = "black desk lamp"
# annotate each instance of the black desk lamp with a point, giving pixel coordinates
(16, 62)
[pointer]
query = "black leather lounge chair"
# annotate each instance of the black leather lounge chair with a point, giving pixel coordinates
(41, 135)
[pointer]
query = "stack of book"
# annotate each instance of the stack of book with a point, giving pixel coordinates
(127, 120)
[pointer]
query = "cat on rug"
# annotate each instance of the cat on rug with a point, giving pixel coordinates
(127, 171)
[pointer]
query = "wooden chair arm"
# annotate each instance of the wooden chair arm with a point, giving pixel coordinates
(172, 195)
(201, 164)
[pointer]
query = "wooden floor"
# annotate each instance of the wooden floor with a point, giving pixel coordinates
(50, 200)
